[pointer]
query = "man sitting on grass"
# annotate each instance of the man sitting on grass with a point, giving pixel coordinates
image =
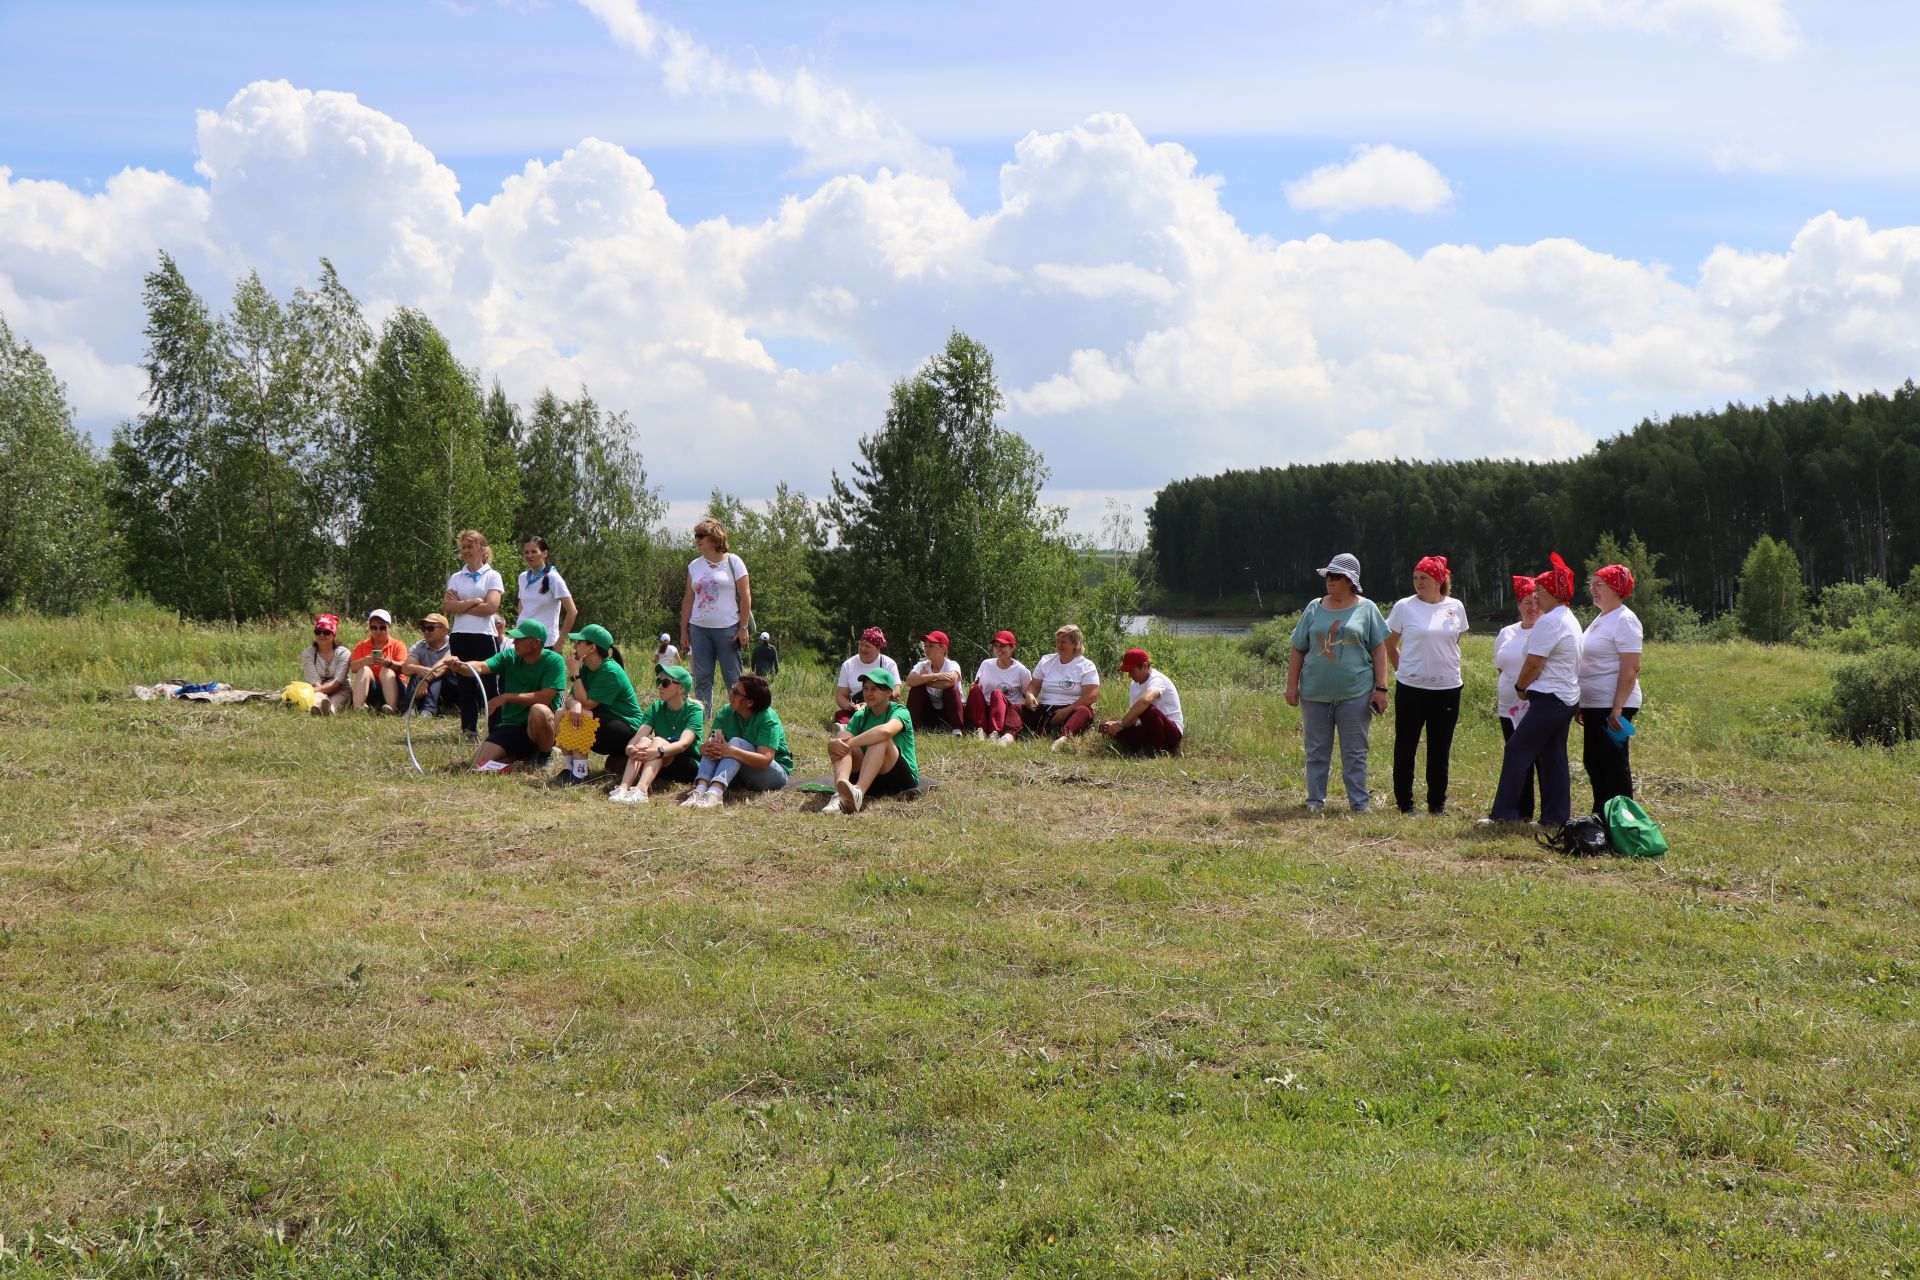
(532, 677)
(1152, 722)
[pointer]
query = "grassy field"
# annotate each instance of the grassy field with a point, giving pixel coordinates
(270, 1004)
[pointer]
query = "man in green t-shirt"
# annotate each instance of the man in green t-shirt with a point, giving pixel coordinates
(531, 679)
(873, 754)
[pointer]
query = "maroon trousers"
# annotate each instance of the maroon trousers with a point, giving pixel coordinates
(927, 716)
(992, 711)
(1040, 720)
(1151, 733)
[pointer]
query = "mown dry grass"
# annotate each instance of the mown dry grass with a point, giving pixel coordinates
(270, 1004)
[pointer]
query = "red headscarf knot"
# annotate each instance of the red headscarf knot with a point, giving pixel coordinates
(1617, 576)
(1557, 581)
(1434, 567)
(875, 637)
(1522, 586)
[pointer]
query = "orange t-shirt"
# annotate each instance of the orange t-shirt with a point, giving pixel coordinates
(395, 652)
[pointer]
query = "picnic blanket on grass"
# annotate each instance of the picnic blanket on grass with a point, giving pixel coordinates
(215, 691)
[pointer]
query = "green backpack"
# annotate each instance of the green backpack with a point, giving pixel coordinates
(1630, 831)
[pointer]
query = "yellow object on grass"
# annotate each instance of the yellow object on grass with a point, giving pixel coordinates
(577, 739)
(300, 695)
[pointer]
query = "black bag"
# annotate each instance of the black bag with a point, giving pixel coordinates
(1582, 838)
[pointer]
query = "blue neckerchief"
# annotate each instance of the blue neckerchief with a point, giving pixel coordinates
(476, 574)
(534, 578)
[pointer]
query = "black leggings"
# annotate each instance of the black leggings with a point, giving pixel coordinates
(1609, 766)
(469, 694)
(1437, 711)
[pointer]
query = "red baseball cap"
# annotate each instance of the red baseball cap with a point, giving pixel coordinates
(1135, 658)
(936, 637)
(1004, 637)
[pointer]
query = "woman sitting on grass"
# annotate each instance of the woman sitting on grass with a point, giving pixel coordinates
(663, 748)
(868, 657)
(747, 748)
(1065, 686)
(599, 686)
(1152, 723)
(323, 664)
(999, 691)
(875, 755)
(934, 691)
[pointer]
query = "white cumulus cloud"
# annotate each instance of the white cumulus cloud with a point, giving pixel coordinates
(1755, 28)
(1373, 177)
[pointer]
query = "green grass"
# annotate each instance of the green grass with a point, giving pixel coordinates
(270, 1004)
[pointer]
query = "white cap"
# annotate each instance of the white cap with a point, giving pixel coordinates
(665, 638)
(382, 615)
(765, 636)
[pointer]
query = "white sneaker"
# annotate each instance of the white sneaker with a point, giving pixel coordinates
(714, 798)
(637, 795)
(1005, 739)
(958, 734)
(617, 796)
(980, 735)
(831, 806)
(695, 798)
(859, 797)
(1061, 743)
(845, 790)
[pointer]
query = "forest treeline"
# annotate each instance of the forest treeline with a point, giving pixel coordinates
(291, 460)
(1834, 477)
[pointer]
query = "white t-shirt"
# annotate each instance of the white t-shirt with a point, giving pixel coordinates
(1062, 683)
(468, 585)
(852, 669)
(1169, 702)
(1556, 637)
(935, 694)
(1011, 680)
(667, 657)
(715, 603)
(1608, 636)
(1509, 654)
(1429, 641)
(544, 609)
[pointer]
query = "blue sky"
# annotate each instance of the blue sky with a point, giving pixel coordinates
(1646, 131)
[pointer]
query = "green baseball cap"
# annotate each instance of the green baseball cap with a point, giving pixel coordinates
(529, 629)
(880, 676)
(679, 675)
(594, 634)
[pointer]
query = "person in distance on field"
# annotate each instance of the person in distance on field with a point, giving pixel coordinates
(847, 696)
(544, 596)
(1152, 723)
(1609, 684)
(714, 610)
(375, 664)
(1549, 680)
(666, 653)
(599, 687)
(1509, 655)
(1423, 646)
(525, 712)
(323, 664)
(933, 687)
(1064, 689)
(875, 756)
(1337, 676)
(666, 747)
(747, 747)
(766, 658)
(998, 694)
(472, 600)
(424, 690)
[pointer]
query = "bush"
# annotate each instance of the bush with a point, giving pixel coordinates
(1773, 602)
(1877, 699)
(1271, 641)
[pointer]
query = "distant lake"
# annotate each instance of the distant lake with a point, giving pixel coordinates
(1230, 626)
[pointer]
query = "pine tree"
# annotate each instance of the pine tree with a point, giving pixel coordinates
(1772, 603)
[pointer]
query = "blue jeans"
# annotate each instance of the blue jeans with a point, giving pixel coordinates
(708, 644)
(1351, 718)
(731, 773)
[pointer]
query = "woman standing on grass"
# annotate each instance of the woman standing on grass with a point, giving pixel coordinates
(747, 748)
(598, 686)
(1509, 655)
(1064, 689)
(1549, 680)
(666, 746)
(1609, 684)
(472, 600)
(323, 664)
(1337, 676)
(714, 610)
(543, 592)
(999, 691)
(1423, 647)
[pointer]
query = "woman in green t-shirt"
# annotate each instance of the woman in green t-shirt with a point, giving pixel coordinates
(598, 685)
(1337, 676)
(663, 747)
(874, 755)
(747, 748)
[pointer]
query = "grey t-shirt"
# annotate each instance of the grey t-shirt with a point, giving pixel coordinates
(426, 655)
(316, 670)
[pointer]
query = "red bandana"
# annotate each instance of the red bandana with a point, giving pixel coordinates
(1557, 581)
(1522, 587)
(1434, 567)
(875, 637)
(1617, 576)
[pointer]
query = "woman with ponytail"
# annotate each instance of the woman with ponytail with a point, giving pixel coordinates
(1549, 681)
(543, 592)
(472, 599)
(1610, 684)
(598, 685)
(1423, 646)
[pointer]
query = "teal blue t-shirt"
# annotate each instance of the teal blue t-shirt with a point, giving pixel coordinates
(1339, 645)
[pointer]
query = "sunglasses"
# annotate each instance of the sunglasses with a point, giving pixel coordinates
(376, 626)
(665, 684)
(321, 631)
